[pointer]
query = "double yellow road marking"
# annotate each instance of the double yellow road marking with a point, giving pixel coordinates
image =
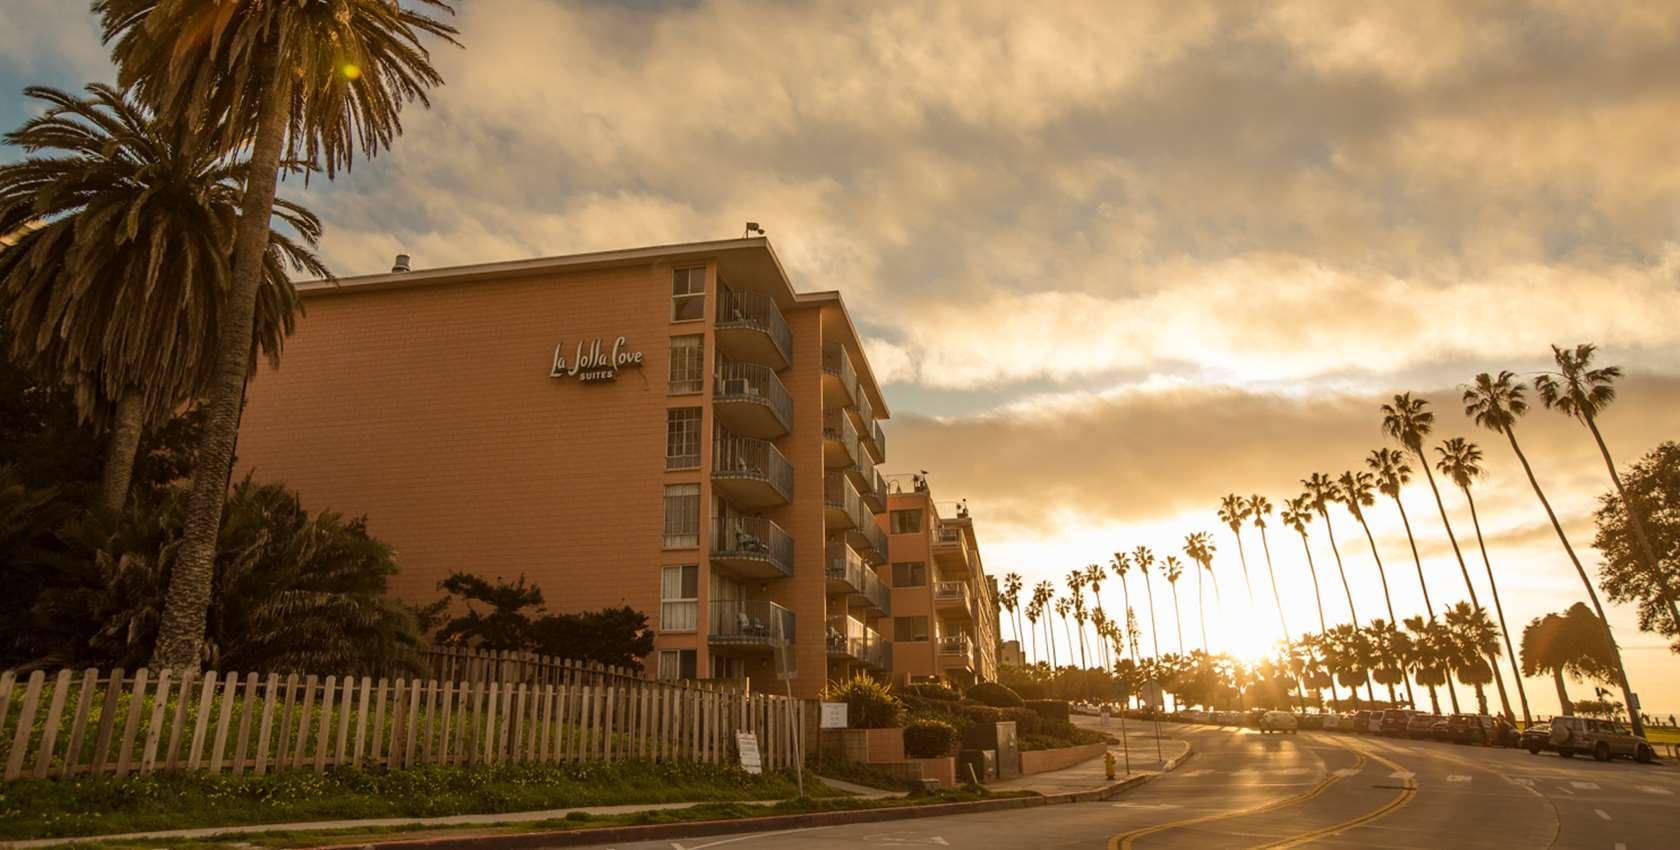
(1125, 841)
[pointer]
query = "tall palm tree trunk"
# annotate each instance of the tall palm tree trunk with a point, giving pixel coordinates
(187, 605)
(1154, 637)
(1050, 631)
(118, 473)
(1082, 663)
(1353, 612)
(1636, 522)
(1318, 598)
(1243, 557)
(1469, 586)
(1067, 631)
(1428, 607)
(1277, 599)
(1568, 708)
(1592, 594)
(1201, 606)
(1499, 608)
(1382, 574)
(1178, 619)
(1126, 621)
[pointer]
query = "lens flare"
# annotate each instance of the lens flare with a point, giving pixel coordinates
(352, 71)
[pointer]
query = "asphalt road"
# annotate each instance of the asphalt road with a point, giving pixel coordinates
(1247, 790)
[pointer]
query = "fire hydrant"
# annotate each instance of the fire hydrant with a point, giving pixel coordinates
(1108, 765)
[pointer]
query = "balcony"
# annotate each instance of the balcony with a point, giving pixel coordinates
(751, 547)
(840, 441)
(875, 441)
(750, 327)
(956, 651)
(751, 401)
(850, 639)
(951, 551)
(952, 600)
(844, 508)
(840, 381)
(848, 574)
(870, 541)
(872, 487)
(751, 473)
(749, 624)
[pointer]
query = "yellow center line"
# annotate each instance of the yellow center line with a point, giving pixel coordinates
(1405, 796)
(1125, 840)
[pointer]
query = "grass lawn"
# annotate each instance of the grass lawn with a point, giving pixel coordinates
(43, 808)
(699, 812)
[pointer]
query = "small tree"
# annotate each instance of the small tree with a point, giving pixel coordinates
(513, 618)
(1654, 484)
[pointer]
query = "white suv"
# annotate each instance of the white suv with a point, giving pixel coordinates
(1278, 721)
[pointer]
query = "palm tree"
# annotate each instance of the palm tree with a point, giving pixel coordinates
(1011, 599)
(1320, 492)
(1198, 547)
(1233, 511)
(1431, 658)
(1175, 571)
(1076, 598)
(1260, 507)
(316, 80)
(1063, 609)
(1093, 577)
(1349, 657)
(1100, 625)
(1122, 564)
(1034, 609)
(1478, 640)
(1144, 560)
(1496, 404)
(1572, 642)
(1392, 650)
(1461, 461)
(116, 278)
(1297, 514)
(1043, 594)
(1392, 473)
(1355, 490)
(1079, 622)
(1582, 393)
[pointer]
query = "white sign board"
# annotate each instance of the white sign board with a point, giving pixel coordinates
(746, 743)
(833, 715)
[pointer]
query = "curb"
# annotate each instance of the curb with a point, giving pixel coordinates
(771, 823)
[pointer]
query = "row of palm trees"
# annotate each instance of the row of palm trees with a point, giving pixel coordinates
(1431, 646)
(138, 263)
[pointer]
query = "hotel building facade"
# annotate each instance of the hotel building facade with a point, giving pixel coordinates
(670, 428)
(944, 605)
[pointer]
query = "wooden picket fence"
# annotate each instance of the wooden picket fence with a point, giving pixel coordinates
(119, 723)
(465, 666)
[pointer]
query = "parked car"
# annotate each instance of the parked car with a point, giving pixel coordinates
(1277, 721)
(1603, 738)
(1393, 722)
(1469, 729)
(1536, 739)
(1422, 726)
(1311, 721)
(1362, 722)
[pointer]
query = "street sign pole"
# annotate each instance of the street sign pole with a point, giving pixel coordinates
(793, 723)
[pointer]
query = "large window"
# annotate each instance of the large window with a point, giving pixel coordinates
(677, 664)
(679, 598)
(682, 438)
(688, 370)
(682, 516)
(907, 522)
(910, 628)
(909, 574)
(688, 294)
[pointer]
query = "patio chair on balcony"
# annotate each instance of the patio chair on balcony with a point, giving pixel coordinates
(747, 542)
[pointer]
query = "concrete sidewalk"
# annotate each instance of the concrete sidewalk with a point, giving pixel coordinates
(1147, 759)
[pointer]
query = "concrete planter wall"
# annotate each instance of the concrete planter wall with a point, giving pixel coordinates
(1041, 761)
(866, 746)
(943, 769)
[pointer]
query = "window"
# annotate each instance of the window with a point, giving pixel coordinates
(688, 294)
(907, 522)
(682, 438)
(677, 664)
(682, 516)
(910, 628)
(679, 598)
(909, 574)
(687, 369)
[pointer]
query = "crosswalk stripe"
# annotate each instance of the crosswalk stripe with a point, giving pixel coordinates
(1458, 777)
(1585, 786)
(1652, 789)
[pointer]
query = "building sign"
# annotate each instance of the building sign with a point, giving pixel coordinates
(746, 744)
(590, 363)
(833, 716)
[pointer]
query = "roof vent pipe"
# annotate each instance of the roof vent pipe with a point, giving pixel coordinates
(401, 265)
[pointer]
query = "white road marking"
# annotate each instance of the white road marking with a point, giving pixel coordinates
(1289, 771)
(904, 840)
(1602, 813)
(1144, 805)
(1522, 780)
(1563, 790)
(1621, 846)
(1652, 789)
(1585, 786)
(722, 841)
(1458, 777)
(1200, 771)
(1401, 774)
(1347, 771)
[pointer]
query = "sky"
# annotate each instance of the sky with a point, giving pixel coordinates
(1112, 261)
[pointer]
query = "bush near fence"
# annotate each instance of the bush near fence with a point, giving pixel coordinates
(72, 723)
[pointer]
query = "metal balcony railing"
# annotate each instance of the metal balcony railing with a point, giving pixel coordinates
(744, 457)
(750, 622)
(750, 382)
(877, 592)
(840, 495)
(880, 487)
(838, 362)
(951, 591)
(844, 564)
(752, 538)
(875, 651)
(879, 438)
(837, 426)
(865, 411)
(958, 644)
(871, 542)
(757, 311)
(845, 636)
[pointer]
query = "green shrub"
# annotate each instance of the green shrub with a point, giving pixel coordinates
(1050, 709)
(869, 704)
(1027, 721)
(995, 695)
(928, 738)
(933, 690)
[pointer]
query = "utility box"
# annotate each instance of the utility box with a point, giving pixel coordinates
(979, 765)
